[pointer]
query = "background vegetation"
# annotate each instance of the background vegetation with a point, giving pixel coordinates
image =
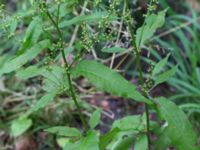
(35, 92)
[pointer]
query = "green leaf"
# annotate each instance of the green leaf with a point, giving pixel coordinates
(90, 142)
(20, 126)
(13, 26)
(191, 107)
(151, 24)
(113, 50)
(107, 138)
(64, 131)
(55, 79)
(32, 34)
(141, 143)
(159, 66)
(129, 127)
(44, 101)
(163, 142)
(120, 139)
(108, 80)
(62, 141)
(165, 76)
(90, 18)
(29, 72)
(125, 143)
(3, 60)
(95, 119)
(19, 61)
(177, 130)
(136, 123)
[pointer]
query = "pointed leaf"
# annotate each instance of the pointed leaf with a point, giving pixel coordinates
(135, 122)
(178, 129)
(95, 119)
(32, 34)
(90, 142)
(64, 131)
(125, 143)
(107, 138)
(141, 143)
(163, 77)
(90, 18)
(55, 79)
(20, 126)
(44, 101)
(113, 50)
(29, 72)
(62, 141)
(108, 80)
(19, 61)
(152, 23)
(159, 66)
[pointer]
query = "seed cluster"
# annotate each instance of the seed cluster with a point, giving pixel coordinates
(86, 38)
(152, 7)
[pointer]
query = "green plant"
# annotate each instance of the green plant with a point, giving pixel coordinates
(45, 44)
(185, 54)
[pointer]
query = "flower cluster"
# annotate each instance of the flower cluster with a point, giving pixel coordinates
(8, 23)
(86, 38)
(105, 22)
(152, 6)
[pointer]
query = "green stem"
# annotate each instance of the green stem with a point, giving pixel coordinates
(71, 88)
(139, 64)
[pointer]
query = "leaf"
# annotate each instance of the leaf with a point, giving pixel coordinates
(32, 34)
(90, 18)
(54, 73)
(113, 50)
(19, 61)
(20, 126)
(151, 24)
(29, 72)
(120, 138)
(159, 66)
(141, 143)
(108, 80)
(191, 107)
(135, 123)
(165, 76)
(107, 138)
(64, 131)
(13, 26)
(45, 100)
(55, 79)
(129, 127)
(95, 119)
(62, 141)
(3, 60)
(90, 142)
(163, 142)
(178, 130)
(125, 143)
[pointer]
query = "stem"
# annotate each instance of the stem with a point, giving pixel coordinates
(138, 60)
(71, 88)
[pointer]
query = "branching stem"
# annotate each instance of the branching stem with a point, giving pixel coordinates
(67, 67)
(138, 60)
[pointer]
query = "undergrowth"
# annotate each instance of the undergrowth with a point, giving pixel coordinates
(56, 43)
